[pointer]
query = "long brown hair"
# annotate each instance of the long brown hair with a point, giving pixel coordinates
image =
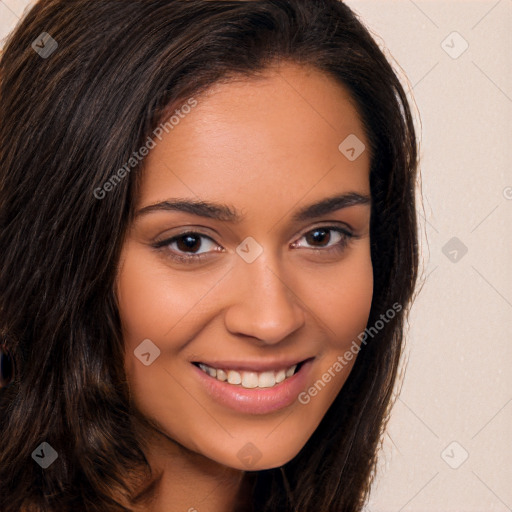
(69, 120)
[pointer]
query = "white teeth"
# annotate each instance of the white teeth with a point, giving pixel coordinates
(291, 370)
(234, 377)
(267, 380)
(280, 376)
(249, 380)
(222, 375)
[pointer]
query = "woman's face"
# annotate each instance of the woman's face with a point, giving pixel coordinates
(283, 283)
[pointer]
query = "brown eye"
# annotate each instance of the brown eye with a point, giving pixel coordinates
(188, 242)
(320, 235)
(185, 247)
(322, 238)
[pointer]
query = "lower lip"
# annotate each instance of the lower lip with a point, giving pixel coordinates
(256, 400)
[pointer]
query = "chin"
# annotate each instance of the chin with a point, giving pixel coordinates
(252, 458)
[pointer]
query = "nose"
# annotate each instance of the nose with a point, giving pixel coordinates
(262, 305)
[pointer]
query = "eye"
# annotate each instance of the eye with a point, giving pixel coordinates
(193, 247)
(321, 238)
(186, 247)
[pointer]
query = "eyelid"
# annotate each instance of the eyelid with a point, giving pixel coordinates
(334, 225)
(347, 235)
(170, 239)
(326, 224)
(338, 247)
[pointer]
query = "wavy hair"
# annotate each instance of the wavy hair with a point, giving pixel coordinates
(72, 119)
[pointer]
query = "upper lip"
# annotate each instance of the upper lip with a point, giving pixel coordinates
(254, 366)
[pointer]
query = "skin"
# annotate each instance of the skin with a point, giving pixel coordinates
(266, 147)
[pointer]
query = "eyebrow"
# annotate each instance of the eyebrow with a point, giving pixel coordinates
(223, 212)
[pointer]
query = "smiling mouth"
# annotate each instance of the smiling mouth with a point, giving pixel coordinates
(250, 379)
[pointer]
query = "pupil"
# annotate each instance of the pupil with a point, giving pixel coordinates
(190, 242)
(318, 234)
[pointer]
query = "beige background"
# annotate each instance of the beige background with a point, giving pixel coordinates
(456, 397)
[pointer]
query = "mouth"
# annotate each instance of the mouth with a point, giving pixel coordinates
(251, 379)
(254, 388)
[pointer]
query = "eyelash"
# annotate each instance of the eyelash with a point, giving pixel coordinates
(338, 247)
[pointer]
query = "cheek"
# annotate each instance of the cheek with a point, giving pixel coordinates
(158, 304)
(155, 305)
(344, 300)
(343, 313)
(154, 302)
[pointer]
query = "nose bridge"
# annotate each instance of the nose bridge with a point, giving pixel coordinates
(262, 304)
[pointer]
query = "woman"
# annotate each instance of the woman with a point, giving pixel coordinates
(209, 248)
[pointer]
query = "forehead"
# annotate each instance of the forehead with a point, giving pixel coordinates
(247, 137)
